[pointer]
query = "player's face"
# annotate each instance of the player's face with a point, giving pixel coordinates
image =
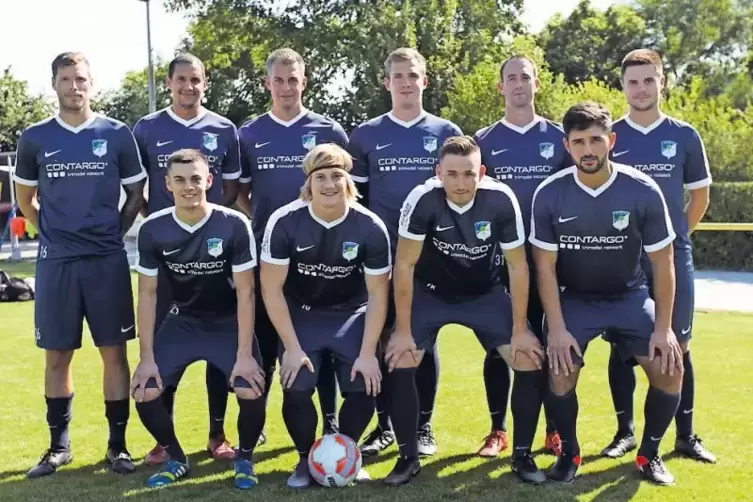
(328, 187)
(590, 148)
(518, 84)
(642, 86)
(189, 184)
(286, 82)
(73, 85)
(187, 86)
(406, 84)
(460, 175)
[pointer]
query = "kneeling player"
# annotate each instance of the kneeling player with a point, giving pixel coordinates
(590, 223)
(325, 278)
(207, 253)
(464, 217)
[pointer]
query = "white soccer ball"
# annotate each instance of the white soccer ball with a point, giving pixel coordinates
(335, 460)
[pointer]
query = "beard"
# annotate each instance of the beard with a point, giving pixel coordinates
(601, 162)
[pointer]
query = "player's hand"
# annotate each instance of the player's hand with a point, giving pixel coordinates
(560, 343)
(669, 350)
(399, 344)
(247, 368)
(368, 366)
(146, 370)
(292, 362)
(524, 341)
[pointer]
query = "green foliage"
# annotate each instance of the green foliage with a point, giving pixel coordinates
(18, 110)
(130, 101)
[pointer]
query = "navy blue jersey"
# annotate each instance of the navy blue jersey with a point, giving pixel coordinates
(394, 156)
(599, 234)
(272, 153)
(198, 260)
(162, 133)
(523, 157)
(460, 256)
(327, 260)
(78, 171)
(673, 154)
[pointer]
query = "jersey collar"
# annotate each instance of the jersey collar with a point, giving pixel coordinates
(524, 129)
(192, 228)
(645, 130)
(78, 129)
(408, 124)
(458, 209)
(290, 122)
(328, 224)
(598, 191)
(187, 123)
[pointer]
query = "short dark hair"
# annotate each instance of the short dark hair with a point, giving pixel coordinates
(586, 114)
(66, 59)
(185, 58)
(639, 57)
(458, 145)
(186, 156)
(518, 55)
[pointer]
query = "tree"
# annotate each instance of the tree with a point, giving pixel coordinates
(18, 110)
(130, 101)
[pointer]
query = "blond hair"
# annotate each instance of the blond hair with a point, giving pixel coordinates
(324, 156)
(404, 54)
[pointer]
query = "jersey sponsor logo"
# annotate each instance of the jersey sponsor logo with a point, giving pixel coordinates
(483, 229)
(210, 141)
(197, 267)
(50, 154)
(99, 147)
(522, 172)
(592, 242)
(620, 219)
(62, 170)
(668, 149)
(461, 250)
(214, 246)
(350, 250)
(326, 271)
(546, 150)
(407, 163)
(308, 140)
(279, 162)
(430, 143)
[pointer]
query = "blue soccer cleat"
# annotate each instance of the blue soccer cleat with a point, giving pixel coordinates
(170, 473)
(245, 477)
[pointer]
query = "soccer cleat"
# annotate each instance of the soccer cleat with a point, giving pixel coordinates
(262, 438)
(120, 460)
(157, 456)
(301, 477)
(377, 441)
(49, 462)
(564, 468)
(527, 470)
(692, 447)
(493, 445)
(405, 469)
(620, 445)
(362, 476)
(170, 473)
(220, 449)
(427, 443)
(245, 477)
(553, 443)
(654, 470)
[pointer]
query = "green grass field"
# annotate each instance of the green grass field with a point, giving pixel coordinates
(723, 351)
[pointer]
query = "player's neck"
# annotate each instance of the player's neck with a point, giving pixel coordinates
(644, 118)
(187, 113)
(289, 114)
(407, 115)
(329, 214)
(521, 116)
(192, 215)
(597, 179)
(75, 118)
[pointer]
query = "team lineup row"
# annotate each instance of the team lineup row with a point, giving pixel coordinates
(462, 214)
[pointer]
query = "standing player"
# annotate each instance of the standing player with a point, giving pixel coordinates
(393, 153)
(273, 147)
(77, 162)
(206, 253)
(521, 150)
(672, 153)
(466, 220)
(591, 222)
(187, 124)
(325, 277)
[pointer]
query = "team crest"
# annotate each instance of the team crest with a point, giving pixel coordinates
(483, 229)
(668, 149)
(620, 219)
(210, 141)
(99, 147)
(546, 150)
(430, 143)
(350, 250)
(214, 246)
(308, 140)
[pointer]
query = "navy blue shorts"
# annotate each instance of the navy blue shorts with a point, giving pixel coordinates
(682, 312)
(182, 340)
(489, 316)
(96, 288)
(627, 321)
(329, 333)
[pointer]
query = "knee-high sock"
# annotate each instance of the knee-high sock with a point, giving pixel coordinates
(497, 383)
(427, 380)
(684, 416)
(217, 395)
(658, 412)
(528, 390)
(355, 414)
(622, 384)
(405, 410)
(157, 421)
(251, 415)
(565, 413)
(300, 418)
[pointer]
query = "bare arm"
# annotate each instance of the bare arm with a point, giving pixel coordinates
(147, 306)
(546, 276)
(408, 252)
(697, 206)
(244, 198)
(517, 266)
(244, 292)
(272, 280)
(376, 312)
(663, 266)
(26, 198)
(133, 205)
(229, 192)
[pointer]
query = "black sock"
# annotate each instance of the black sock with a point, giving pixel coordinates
(622, 384)
(117, 413)
(550, 425)
(326, 389)
(528, 390)
(497, 383)
(251, 416)
(684, 416)
(405, 410)
(383, 399)
(217, 395)
(157, 421)
(355, 414)
(168, 398)
(300, 418)
(658, 412)
(58, 417)
(427, 380)
(565, 413)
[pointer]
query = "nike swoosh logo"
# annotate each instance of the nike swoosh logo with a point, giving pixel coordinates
(617, 154)
(300, 249)
(163, 143)
(687, 412)
(168, 253)
(497, 152)
(686, 331)
(50, 154)
(382, 147)
(565, 220)
(259, 145)
(442, 229)
(126, 330)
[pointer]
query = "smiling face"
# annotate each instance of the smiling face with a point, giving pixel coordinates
(329, 187)
(187, 85)
(189, 182)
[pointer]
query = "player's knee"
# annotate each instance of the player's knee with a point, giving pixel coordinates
(523, 362)
(410, 359)
(58, 361)
(671, 384)
(245, 393)
(685, 346)
(150, 394)
(114, 356)
(561, 384)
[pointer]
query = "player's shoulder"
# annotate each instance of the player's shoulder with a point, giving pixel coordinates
(682, 127)
(372, 123)
(495, 188)
(218, 119)
(486, 131)
(556, 181)
(546, 125)
(288, 211)
(317, 119)
(40, 128)
(448, 127)
(103, 122)
(229, 214)
(362, 212)
(151, 118)
(635, 176)
(153, 222)
(429, 187)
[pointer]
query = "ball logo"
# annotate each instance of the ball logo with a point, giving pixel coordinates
(430, 143)
(214, 246)
(546, 150)
(350, 250)
(668, 149)
(210, 141)
(99, 147)
(308, 140)
(483, 229)
(620, 219)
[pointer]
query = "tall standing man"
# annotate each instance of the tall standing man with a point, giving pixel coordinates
(77, 161)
